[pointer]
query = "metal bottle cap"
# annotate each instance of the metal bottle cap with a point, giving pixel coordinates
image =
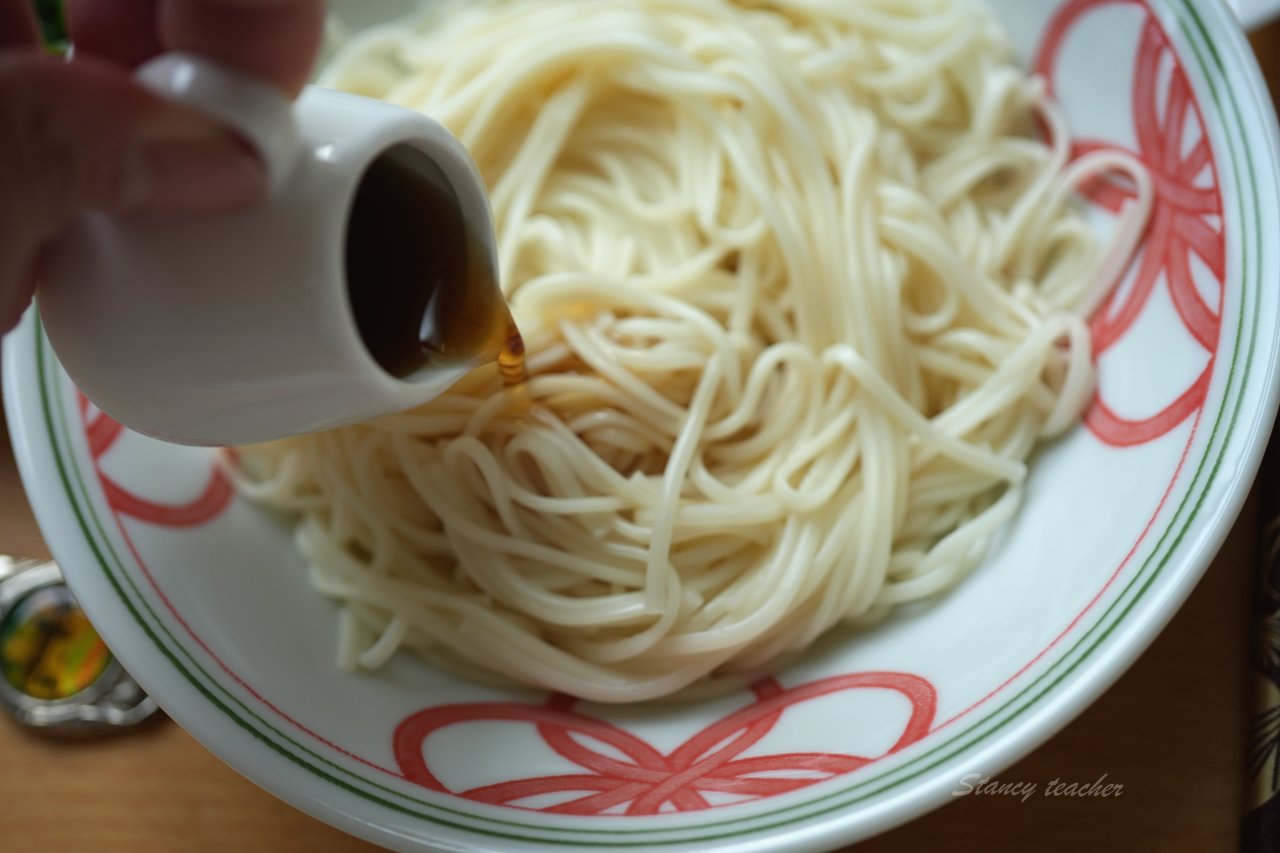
(56, 674)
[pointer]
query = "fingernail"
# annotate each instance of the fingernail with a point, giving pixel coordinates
(190, 168)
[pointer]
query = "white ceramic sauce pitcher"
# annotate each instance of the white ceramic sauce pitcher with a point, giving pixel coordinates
(235, 328)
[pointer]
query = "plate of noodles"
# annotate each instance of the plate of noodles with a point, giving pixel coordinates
(896, 367)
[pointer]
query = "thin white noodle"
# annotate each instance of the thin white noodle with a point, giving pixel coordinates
(801, 291)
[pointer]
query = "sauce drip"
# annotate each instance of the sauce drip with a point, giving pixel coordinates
(511, 359)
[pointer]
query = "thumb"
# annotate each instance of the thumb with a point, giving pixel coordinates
(83, 136)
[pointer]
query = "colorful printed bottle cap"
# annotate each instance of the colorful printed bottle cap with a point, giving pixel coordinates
(56, 674)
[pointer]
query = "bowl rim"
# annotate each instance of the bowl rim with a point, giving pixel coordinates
(1133, 632)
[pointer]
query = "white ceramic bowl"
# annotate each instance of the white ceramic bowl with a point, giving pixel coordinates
(204, 599)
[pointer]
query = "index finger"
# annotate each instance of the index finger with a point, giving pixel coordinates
(121, 31)
(275, 39)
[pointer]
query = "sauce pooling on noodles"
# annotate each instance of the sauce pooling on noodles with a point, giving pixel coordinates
(800, 289)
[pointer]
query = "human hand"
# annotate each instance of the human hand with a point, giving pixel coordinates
(80, 135)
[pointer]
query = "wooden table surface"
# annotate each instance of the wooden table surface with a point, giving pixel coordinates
(1171, 731)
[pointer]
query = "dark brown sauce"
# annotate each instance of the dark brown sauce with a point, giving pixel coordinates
(422, 291)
